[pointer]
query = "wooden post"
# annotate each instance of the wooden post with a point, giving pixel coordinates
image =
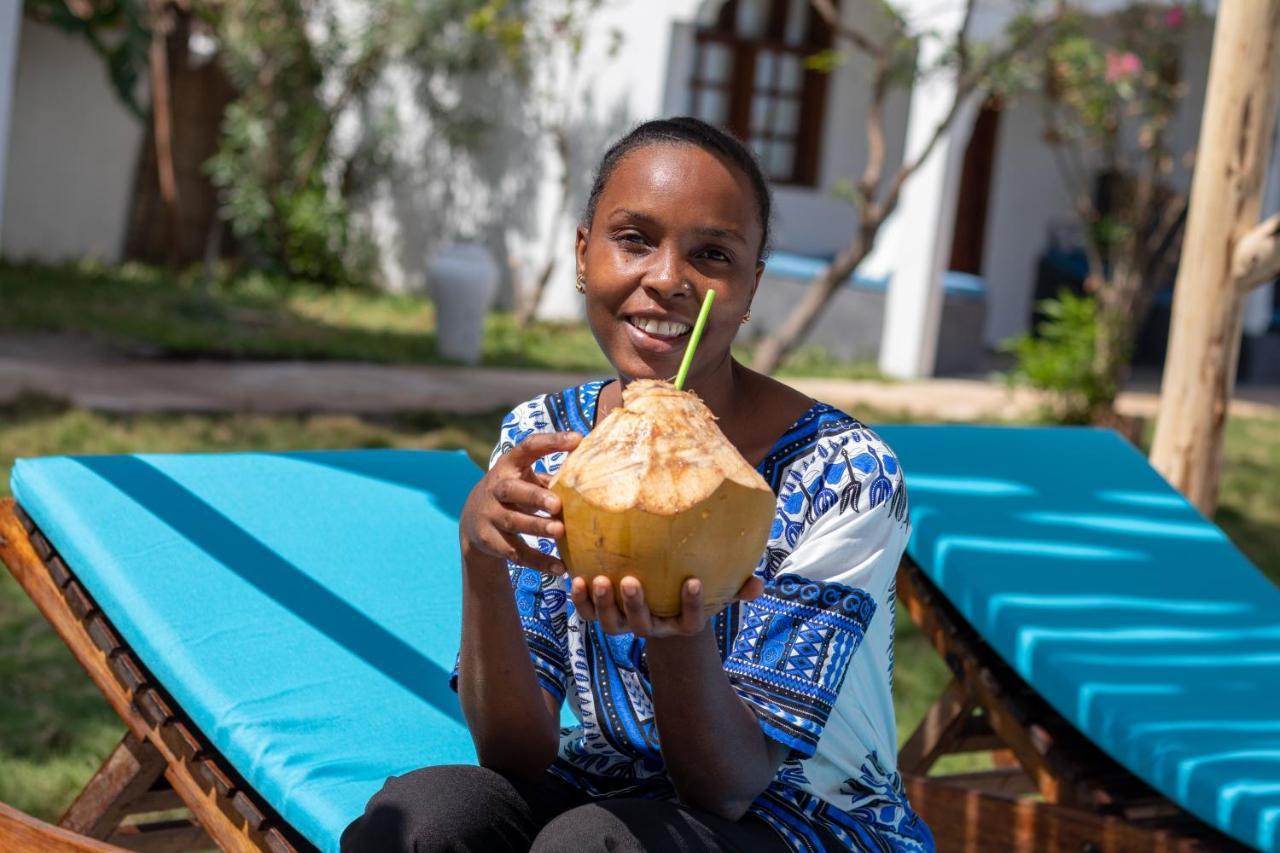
(1226, 195)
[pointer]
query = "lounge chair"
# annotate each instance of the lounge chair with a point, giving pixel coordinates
(1102, 631)
(276, 629)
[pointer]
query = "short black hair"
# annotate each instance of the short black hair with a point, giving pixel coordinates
(686, 130)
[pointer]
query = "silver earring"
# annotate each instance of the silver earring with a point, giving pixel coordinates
(747, 316)
(582, 283)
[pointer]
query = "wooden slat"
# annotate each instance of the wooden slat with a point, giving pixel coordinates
(58, 569)
(127, 669)
(41, 545)
(174, 836)
(101, 634)
(248, 809)
(277, 842)
(969, 821)
(77, 599)
(162, 800)
(121, 677)
(216, 778)
(127, 773)
(181, 740)
(152, 705)
(21, 832)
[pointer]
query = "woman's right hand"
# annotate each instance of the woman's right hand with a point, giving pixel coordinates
(505, 503)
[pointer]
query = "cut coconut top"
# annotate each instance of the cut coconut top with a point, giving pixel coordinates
(660, 452)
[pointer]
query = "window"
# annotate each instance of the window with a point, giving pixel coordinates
(749, 77)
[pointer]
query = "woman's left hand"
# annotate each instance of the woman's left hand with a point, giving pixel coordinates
(598, 602)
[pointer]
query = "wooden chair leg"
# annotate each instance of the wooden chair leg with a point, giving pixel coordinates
(19, 831)
(938, 731)
(129, 772)
(132, 782)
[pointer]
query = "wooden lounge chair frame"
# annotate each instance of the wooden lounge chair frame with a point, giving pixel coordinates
(1081, 798)
(163, 762)
(1086, 802)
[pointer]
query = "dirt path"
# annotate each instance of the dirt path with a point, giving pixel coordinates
(94, 377)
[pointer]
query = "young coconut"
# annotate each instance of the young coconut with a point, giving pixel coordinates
(657, 492)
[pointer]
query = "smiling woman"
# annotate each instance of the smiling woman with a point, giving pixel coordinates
(767, 724)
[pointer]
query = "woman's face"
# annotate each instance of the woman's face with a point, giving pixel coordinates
(672, 222)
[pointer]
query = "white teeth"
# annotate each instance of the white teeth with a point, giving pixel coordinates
(661, 328)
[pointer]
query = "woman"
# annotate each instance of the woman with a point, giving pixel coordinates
(768, 727)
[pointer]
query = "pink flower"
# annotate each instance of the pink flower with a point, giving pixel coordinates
(1175, 17)
(1122, 66)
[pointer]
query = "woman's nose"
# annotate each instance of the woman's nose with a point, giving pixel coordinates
(667, 276)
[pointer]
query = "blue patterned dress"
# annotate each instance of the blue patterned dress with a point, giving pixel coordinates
(813, 656)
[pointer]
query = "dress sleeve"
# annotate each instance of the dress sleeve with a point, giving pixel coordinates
(833, 551)
(541, 600)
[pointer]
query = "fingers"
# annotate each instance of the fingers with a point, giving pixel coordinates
(691, 618)
(513, 522)
(634, 607)
(611, 618)
(595, 601)
(582, 599)
(516, 550)
(526, 496)
(541, 444)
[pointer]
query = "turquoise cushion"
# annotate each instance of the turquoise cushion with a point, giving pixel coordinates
(303, 608)
(1136, 618)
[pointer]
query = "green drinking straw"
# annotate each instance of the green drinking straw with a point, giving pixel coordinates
(694, 338)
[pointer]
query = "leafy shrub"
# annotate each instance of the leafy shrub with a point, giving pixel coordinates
(1059, 358)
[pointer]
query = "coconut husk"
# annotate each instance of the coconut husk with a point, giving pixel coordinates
(657, 492)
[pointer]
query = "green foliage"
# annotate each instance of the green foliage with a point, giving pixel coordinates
(1060, 358)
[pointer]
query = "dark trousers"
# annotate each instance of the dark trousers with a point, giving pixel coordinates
(462, 808)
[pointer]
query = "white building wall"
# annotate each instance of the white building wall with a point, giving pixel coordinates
(1027, 198)
(73, 150)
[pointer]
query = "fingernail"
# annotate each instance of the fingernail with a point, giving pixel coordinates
(631, 590)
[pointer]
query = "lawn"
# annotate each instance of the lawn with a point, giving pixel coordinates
(145, 310)
(54, 727)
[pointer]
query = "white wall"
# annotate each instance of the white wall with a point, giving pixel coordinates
(1026, 197)
(73, 149)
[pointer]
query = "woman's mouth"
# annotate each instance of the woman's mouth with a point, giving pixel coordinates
(657, 336)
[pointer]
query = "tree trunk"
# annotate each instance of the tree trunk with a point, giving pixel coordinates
(1204, 339)
(822, 289)
(199, 96)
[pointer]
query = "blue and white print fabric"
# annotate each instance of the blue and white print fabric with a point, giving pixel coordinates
(813, 656)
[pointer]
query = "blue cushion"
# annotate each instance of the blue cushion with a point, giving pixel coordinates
(1136, 618)
(805, 267)
(301, 607)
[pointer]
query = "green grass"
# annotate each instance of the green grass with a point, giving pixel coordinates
(55, 728)
(144, 310)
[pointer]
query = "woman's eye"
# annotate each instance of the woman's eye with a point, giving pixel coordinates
(716, 255)
(631, 239)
